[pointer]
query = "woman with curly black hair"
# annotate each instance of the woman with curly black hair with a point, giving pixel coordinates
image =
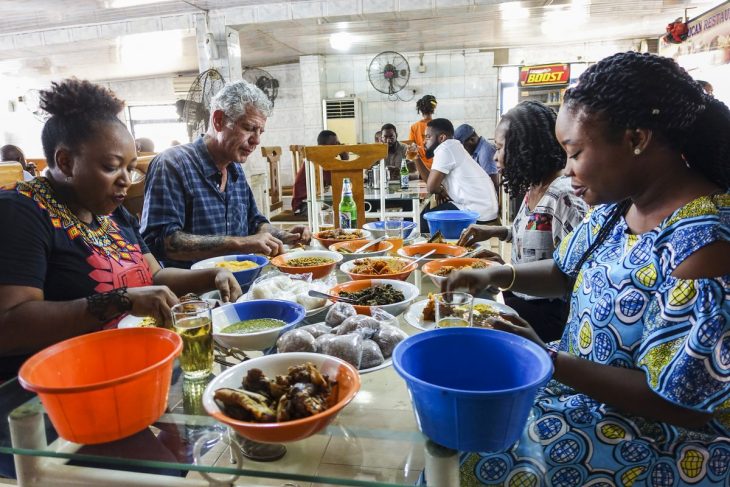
(641, 389)
(69, 249)
(531, 161)
(426, 106)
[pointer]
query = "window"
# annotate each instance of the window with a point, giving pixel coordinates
(157, 122)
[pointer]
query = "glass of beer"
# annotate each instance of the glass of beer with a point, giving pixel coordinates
(412, 152)
(192, 321)
(393, 226)
(453, 309)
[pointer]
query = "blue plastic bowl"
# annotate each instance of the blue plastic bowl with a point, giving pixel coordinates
(478, 394)
(450, 222)
(244, 278)
(378, 229)
(290, 313)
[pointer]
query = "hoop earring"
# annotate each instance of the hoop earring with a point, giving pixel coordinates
(637, 151)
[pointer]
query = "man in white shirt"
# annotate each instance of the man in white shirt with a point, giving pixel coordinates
(457, 181)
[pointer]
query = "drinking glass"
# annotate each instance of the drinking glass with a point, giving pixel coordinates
(393, 226)
(412, 152)
(192, 321)
(453, 309)
(326, 218)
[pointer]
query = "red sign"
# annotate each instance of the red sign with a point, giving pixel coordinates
(546, 74)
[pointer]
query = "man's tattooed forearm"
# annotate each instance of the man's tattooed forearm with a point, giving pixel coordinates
(185, 242)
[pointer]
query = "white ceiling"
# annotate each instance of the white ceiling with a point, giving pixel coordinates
(478, 24)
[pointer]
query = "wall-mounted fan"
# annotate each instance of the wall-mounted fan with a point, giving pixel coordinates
(389, 72)
(263, 80)
(32, 102)
(195, 111)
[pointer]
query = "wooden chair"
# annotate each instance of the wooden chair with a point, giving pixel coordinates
(273, 157)
(362, 157)
(134, 202)
(10, 173)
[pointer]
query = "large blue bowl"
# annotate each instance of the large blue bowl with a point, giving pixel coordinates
(478, 394)
(244, 278)
(378, 229)
(288, 312)
(450, 222)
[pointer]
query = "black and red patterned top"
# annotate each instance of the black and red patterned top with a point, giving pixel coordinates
(44, 245)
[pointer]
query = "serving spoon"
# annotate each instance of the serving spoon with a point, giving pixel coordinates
(369, 244)
(415, 261)
(318, 294)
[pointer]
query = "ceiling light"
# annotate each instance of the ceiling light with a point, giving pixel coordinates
(513, 11)
(341, 41)
(151, 50)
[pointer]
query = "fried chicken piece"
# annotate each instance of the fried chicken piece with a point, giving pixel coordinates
(256, 381)
(302, 401)
(308, 373)
(245, 405)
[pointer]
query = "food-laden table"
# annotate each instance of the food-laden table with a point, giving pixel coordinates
(374, 441)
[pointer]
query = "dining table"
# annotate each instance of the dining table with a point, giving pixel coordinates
(374, 441)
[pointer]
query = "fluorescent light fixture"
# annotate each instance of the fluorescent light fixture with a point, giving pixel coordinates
(152, 50)
(513, 11)
(556, 20)
(341, 41)
(132, 3)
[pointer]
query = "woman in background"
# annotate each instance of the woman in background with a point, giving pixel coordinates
(426, 106)
(531, 161)
(641, 389)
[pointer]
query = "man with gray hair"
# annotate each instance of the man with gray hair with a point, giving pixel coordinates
(198, 203)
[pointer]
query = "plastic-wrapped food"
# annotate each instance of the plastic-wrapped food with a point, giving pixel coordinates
(298, 287)
(371, 355)
(346, 347)
(296, 341)
(366, 326)
(338, 313)
(317, 329)
(387, 338)
(321, 340)
(310, 302)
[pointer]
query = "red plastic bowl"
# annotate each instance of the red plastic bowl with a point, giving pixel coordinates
(106, 385)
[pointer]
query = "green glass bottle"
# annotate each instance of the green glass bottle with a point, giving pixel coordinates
(404, 174)
(348, 209)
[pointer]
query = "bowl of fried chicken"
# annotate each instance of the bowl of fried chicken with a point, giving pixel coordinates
(283, 397)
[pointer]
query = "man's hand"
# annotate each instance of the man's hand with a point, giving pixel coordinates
(442, 196)
(261, 243)
(301, 235)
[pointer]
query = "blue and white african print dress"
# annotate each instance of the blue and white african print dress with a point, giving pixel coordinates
(628, 311)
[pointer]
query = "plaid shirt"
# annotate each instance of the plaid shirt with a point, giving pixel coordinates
(181, 193)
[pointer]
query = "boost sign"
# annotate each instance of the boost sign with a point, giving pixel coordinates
(548, 74)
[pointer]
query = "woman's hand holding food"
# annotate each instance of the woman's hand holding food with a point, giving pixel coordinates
(479, 233)
(488, 255)
(516, 325)
(154, 301)
(227, 286)
(477, 280)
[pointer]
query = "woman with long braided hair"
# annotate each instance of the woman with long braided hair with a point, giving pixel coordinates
(531, 161)
(641, 389)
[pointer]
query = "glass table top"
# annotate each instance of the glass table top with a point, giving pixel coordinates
(373, 441)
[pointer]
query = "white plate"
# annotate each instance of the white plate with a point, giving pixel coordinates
(386, 363)
(414, 313)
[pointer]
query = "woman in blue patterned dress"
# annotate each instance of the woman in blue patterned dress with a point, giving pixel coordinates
(641, 390)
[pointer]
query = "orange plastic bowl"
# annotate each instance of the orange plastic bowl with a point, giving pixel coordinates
(431, 268)
(106, 385)
(363, 237)
(318, 271)
(443, 251)
(347, 377)
(408, 267)
(378, 249)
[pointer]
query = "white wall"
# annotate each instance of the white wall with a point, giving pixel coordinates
(464, 83)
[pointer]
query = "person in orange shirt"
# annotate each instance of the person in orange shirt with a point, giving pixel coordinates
(426, 106)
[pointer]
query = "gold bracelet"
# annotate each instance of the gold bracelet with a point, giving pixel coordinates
(512, 282)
